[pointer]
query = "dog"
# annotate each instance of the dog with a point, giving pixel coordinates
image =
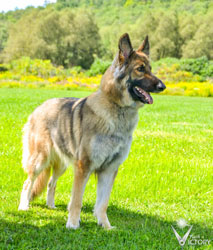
(93, 133)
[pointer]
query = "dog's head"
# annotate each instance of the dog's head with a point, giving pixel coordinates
(132, 73)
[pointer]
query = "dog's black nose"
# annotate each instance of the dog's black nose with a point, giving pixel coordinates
(160, 86)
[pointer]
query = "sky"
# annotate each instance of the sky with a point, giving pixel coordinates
(6, 5)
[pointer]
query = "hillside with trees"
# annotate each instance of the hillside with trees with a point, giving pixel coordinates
(73, 33)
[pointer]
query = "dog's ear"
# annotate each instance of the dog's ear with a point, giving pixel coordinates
(144, 46)
(125, 48)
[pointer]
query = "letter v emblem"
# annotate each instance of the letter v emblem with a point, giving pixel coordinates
(182, 241)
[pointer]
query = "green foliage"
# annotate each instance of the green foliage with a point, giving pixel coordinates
(171, 25)
(6, 19)
(69, 35)
(200, 41)
(76, 69)
(198, 66)
(201, 66)
(63, 37)
(99, 66)
(36, 67)
(162, 28)
(168, 61)
(88, 3)
(3, 35)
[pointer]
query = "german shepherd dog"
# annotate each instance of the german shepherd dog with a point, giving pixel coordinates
(94, 133)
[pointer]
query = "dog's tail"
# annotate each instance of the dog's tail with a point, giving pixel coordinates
(40, 183)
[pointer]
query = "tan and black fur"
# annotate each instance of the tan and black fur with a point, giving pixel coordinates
(93, 133)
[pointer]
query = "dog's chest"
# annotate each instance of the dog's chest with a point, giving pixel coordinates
(105, 150)
(112, 148)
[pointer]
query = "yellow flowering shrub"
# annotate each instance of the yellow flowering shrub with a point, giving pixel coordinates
(28, 73)
(31, 78)
(173, 74)
(204, 89)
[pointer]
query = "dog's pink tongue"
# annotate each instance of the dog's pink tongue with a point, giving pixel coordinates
(148, 97)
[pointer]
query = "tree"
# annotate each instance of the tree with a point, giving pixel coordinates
(201, 43)
(163, 31)
(3, 35)
(65, 37)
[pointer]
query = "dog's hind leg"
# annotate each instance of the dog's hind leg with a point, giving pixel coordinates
(58, 169)
(37, 147)
(105, 182)
(38, 174)
(26, 193)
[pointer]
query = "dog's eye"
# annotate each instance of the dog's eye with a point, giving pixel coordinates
(141, 68)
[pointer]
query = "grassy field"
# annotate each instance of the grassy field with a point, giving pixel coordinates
(167, 176)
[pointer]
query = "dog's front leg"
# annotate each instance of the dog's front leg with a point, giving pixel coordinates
(81, 176)
(105, 182)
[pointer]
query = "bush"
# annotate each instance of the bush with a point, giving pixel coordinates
(3, 68)
(29, 73)
(168, 61)
(201, 66)
(36, 67)
(204, 89)
(98, 67)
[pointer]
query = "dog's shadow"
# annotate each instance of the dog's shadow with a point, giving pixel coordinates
(133, 228)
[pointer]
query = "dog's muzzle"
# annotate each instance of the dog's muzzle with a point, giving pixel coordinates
(160, 86)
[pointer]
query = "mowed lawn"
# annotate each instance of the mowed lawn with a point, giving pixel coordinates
(167, 176)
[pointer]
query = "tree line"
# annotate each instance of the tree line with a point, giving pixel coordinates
(72, 33)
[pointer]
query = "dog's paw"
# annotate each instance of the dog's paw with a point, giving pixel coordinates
(106, 226)
(23, 207)
(111, 228)
(103, 220)
(72, 225)
(51, 206)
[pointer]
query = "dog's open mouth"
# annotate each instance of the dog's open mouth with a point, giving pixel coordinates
(144, 96)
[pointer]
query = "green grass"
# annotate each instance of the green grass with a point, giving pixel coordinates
(167, 176)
